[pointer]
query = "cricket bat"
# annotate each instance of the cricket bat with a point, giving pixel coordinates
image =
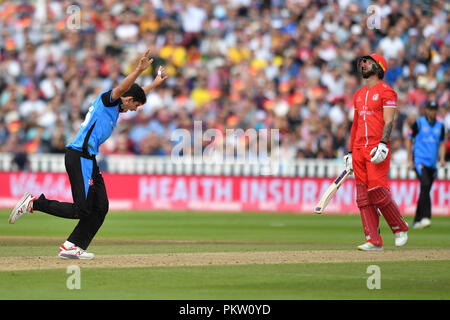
(331, 191)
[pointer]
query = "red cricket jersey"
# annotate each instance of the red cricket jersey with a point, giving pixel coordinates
(368, 122)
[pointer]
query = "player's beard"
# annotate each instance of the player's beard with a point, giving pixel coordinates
(367, 74)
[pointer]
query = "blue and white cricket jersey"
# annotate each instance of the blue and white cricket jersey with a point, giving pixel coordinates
(98, 125)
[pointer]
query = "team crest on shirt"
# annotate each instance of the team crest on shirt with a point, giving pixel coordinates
(375, 97)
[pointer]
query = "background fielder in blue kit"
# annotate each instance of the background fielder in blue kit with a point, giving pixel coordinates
(425, 146)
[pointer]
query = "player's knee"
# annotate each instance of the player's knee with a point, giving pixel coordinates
(362, 197)
(81, 212)
(379, 196)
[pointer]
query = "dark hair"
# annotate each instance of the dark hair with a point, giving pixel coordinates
(137, 93)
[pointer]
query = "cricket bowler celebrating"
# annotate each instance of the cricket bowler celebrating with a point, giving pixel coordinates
(90, 201)
(375, 107)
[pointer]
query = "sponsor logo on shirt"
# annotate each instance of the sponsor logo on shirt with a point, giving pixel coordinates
(365, 111)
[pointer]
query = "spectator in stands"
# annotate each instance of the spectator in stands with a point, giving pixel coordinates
(393, 73)
(392, 46)
(217, 54)
(399, 153)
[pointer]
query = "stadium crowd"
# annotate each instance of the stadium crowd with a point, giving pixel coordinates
(280, 64)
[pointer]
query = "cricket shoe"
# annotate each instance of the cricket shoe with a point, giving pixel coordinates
(417, 225)
(24, 206)
(74, 252)
(425, 222)
(369, 247)
(401, 238)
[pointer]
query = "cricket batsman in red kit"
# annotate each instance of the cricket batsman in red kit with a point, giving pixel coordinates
(369, 153)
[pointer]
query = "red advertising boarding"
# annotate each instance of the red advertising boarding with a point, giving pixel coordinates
(218, 193)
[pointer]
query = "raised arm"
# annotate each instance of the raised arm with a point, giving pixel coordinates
(160, 78)
(126, 83)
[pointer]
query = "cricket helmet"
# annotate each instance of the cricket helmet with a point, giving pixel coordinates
(380, 67)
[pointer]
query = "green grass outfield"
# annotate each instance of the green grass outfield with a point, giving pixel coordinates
(37, 236)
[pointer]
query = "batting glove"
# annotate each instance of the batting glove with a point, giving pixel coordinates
(348, 161)
(379, 153)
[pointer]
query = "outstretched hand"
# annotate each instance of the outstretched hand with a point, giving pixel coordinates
(161, 77)
(145, 61)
